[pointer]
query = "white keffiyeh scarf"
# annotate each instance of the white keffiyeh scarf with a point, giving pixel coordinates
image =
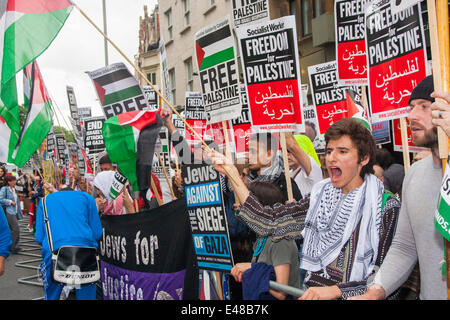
(331, 220)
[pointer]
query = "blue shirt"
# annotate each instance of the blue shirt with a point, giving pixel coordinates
(73, 219)
(5, 235)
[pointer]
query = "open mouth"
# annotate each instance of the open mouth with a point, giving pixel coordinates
(335, 172)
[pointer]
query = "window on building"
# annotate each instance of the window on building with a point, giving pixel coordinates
(189, 77)
(151, 77)
(169, 23)
(173, 85)
(306, 17)
(186, 7)
(211, 2)
(318, 7)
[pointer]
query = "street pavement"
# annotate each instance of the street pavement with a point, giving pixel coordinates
(28, 261)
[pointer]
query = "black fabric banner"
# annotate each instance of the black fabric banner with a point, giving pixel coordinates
(149, 255)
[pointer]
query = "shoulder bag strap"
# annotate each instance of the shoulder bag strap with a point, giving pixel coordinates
(47, 225)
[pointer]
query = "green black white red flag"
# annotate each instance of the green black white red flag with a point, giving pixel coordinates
(38, 121)
(130, 140)
(355, 108)
(28, 27)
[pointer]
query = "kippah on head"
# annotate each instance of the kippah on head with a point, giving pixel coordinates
(423, 90)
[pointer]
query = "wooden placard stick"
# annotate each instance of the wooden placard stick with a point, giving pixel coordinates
(286, 166)
(405, 147)
(440, 51)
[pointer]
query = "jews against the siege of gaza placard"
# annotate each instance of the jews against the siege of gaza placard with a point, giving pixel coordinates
(204, 201)
(269, 57)
(218, 71)
(396, 57)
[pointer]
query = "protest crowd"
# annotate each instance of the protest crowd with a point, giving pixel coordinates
(240, 192)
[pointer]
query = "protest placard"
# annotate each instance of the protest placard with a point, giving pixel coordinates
(60, 146)
(381, 132)
(117, 90)
(397, 137)
(396, 56)
(194, 114)
(249, 12)
(218, 71)
(269, 56)
(242, 127)
(350, 41)
(329, 97)
(207, 217)
(94, 142)
(152, 97)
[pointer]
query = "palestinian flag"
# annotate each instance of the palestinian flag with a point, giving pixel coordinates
(214, 47)
(130, 140)
(442, 214)
(28, 27)
(38, 121)
(355, 109)
(115, 84)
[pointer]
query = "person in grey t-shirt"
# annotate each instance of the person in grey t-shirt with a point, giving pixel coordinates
(416, 237)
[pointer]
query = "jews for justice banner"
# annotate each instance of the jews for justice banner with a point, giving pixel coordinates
(396, 58)
(269, 55)
(350, 41)
(94, 142)
(329, 97)
(207, 217)
(117, 90)
(218, 71)
(249, 12)
(397, 137)
(149, 255)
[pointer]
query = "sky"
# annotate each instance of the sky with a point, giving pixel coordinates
(79, 47)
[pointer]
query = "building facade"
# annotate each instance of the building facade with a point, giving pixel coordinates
(148, 59)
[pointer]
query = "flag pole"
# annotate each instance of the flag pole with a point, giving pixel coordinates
(149, 83)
